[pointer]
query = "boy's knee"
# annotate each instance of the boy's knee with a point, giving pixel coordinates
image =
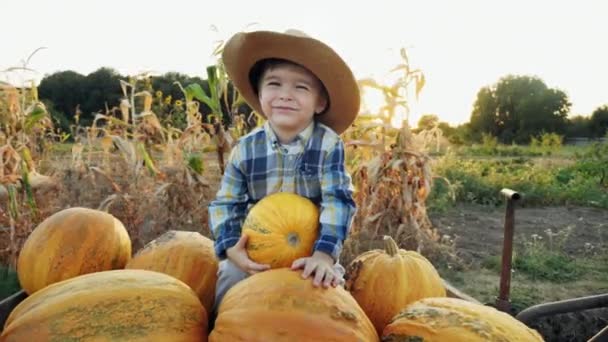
(228, 275)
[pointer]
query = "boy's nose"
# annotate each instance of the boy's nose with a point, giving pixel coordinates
(285, 94)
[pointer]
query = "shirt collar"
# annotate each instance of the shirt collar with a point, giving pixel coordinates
(303, 136)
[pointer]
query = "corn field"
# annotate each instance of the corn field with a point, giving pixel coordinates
(153, 176)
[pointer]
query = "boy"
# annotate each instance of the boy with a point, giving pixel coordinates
(309, 96)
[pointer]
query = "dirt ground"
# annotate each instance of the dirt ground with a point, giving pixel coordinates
(478, 234)
(478, 231)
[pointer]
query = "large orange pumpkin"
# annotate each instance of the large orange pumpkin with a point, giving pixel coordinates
(69, 243)
(281, 227)
(118, 305)
(278, 305)
(455, 320)
(187, 256)
(384, 281)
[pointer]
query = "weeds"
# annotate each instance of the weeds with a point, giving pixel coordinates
(479, 180)
(544, 258)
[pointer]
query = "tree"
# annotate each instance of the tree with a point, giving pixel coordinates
(65, 89)
(519, 107)
(599, 121)
(101, 87)
(428, 121)
(578, 126)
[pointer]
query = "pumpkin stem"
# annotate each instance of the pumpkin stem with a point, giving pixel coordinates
(390, 246)
(293, 239)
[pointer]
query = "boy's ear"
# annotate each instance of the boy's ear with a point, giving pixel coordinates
(321, 105)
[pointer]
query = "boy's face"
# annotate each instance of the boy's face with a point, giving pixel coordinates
(290, 96)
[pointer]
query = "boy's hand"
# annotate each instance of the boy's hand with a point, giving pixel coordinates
(238, 255)
(323, 267)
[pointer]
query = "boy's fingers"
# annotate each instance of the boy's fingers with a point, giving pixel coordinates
(329, 279)
(298, 263)
(310, 266)
(335, 282)
(257, 267)
(319, 275)
(243, 241)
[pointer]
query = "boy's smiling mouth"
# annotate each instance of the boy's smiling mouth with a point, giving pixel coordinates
(284, 108)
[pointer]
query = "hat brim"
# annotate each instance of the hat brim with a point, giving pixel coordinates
(244, 50)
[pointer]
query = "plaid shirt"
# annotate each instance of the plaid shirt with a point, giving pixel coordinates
(312, 166)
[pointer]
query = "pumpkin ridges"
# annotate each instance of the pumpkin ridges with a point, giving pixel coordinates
(57, 292)
(453, 319)
(126, 305)
(282, 292)
(72, 242)
(269, 224)
(123, 241)
(291, 328)
(188, 256)
(383, 284)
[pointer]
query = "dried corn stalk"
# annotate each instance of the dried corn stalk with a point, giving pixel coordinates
(391, 172)
(393, 188)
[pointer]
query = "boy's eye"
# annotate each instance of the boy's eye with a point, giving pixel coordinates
(303, 87)
(273, 83)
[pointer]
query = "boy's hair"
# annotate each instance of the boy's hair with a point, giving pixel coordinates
(259, 68)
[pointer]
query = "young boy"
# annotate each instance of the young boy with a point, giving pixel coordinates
(309, 96)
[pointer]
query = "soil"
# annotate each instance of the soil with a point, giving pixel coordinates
(478, 233)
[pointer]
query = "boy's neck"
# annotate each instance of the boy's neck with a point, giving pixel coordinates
(287, 136)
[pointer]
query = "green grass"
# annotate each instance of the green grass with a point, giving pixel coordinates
(556, 181)
(546, 266)
(542, 272)
(9, 283)
(525, 291)
(501, 150)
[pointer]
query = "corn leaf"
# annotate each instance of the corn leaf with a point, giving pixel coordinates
(194, 90)
(36, 114)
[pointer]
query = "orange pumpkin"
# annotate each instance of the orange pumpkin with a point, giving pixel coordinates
(69, 243)
(384, 281)
(278, 305)
(118, 305)
(455, 320)
(281, 227)
(187, 256)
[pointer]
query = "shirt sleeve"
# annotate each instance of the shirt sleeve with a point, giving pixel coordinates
(228, 210)
(337, 205)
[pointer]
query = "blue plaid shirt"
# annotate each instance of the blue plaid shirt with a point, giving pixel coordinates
(311, 166)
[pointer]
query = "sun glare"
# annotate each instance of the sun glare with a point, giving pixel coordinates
(398, 117)
(372, 101)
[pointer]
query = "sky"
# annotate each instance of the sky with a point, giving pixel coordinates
(460, 46)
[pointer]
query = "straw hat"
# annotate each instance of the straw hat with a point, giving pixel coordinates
(244, 50)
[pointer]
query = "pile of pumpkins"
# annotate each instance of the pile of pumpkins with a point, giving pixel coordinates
(84, 284)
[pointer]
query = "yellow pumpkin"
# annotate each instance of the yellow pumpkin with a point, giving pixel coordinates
(384, 281)
(118, 305)
(281, 228)
(278, 305)
(187, 256)
(69, 243)
(456, 320)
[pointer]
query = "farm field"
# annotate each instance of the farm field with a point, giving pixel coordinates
(560, 241)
